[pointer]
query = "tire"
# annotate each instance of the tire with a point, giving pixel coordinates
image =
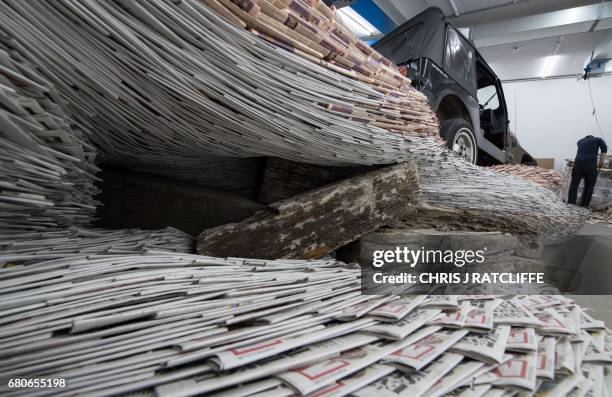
(460, 139)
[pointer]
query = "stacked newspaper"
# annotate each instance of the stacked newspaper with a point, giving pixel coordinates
(47, 163)
(550, 179)
(235, 79)
(22, 248)
(206, 87)
(183, 325)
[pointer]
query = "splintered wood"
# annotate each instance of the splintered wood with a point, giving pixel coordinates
(184, 325)
(311, 225)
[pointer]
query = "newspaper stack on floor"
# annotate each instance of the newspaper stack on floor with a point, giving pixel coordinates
(185, 325)
(550, 179)
(23, 248)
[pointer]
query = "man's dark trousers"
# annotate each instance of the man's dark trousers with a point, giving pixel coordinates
(586, 169)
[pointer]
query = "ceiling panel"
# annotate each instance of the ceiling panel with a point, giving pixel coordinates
(477, 11)
(471, 5)
(530, 61)
(576, 49)
(444, 5)
(391, 10)
(409, 8)
(496, 10)
(521, 36)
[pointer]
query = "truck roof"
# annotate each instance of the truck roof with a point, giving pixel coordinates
(421, 36)
(424, 36)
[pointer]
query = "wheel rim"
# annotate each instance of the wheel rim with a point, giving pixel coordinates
(464, 146)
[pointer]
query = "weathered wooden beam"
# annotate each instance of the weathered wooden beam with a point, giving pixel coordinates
(283, 179)
(313, 224)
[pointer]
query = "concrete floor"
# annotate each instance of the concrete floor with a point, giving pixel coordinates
(601, 309)
(600, 306)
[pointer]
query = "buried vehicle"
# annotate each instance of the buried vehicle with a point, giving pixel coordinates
(461, 87)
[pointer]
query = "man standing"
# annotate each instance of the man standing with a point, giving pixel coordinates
(585, 166)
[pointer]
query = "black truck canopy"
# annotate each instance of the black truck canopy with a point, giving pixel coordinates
(425, 36)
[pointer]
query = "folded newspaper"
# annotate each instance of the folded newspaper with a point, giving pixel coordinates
(176, 324)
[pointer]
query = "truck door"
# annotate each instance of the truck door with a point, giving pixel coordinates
(492, 109)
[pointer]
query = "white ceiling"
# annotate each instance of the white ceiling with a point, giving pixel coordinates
(532, 55)
(477, 11)
(499, 27)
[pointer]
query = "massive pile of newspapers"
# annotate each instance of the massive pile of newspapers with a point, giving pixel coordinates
(167, 83)
(184, 325)
(180, 83)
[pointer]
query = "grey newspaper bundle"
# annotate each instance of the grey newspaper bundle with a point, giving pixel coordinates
(172, 324)
(23, 248)
(169, 84)
(47, 170)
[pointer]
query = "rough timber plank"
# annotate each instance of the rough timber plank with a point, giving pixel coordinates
(283, 179)
(314, 223)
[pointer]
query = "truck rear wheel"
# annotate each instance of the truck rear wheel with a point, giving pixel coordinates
(460, 139)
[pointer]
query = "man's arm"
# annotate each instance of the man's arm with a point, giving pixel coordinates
(604, 150)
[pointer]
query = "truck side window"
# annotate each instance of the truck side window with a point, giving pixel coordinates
(459, 59)
(487, 97)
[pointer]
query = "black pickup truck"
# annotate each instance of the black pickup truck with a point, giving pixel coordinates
(462, 89)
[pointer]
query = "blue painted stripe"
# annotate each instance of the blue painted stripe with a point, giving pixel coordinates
(373, 14)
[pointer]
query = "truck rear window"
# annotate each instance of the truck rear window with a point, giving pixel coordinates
(459, 60)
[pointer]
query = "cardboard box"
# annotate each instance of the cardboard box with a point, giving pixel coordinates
(548, 163)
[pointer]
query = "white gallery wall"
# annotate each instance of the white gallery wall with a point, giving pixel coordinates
(550, 115)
